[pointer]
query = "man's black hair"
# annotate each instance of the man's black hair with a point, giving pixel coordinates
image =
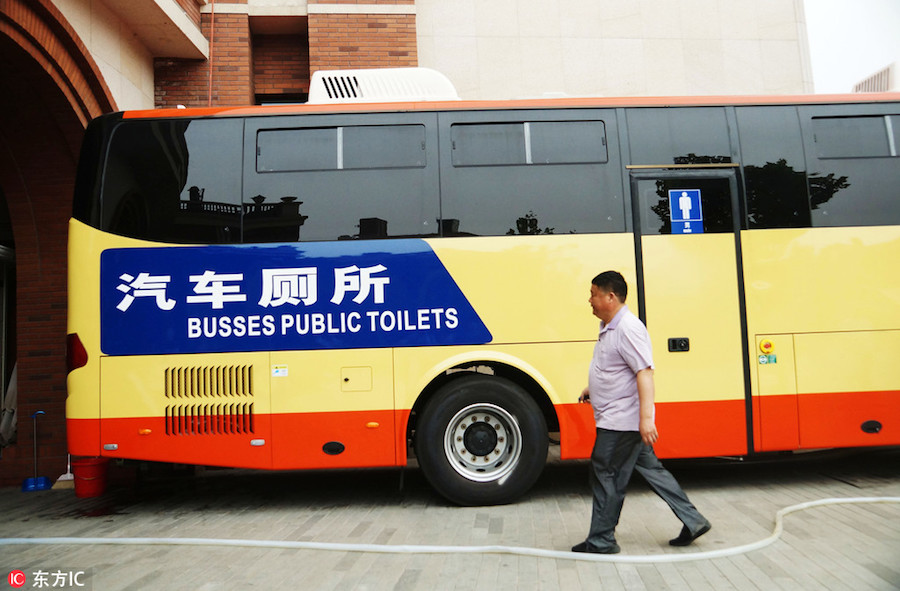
(614, 282)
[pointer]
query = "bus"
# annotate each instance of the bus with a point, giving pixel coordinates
(346, 285)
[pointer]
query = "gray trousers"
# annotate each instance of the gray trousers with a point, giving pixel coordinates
(612, 462)
(664, 484)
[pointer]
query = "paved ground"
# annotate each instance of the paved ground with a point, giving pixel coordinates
(848, 546)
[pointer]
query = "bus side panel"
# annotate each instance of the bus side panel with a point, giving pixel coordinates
(83, 320)
(333, 408)
(826, 299)
(844, 381)
(776, 423)
(199, 409)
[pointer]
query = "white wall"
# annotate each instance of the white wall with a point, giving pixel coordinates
(124, 62)
(523, 48)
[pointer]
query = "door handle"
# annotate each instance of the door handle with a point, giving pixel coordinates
(679, 345)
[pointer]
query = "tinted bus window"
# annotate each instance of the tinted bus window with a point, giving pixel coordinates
(568, 142)
(340, 181)
(529, 177)
(174, 181)
(341, 148)
(288, 150)
(854, 169)
(854, 137)
(678, 136)
(774, 167)
(487, 144)
(532, 142)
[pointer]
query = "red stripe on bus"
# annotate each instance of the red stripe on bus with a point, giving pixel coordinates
(686, 429)
(775, 423)
(834, 419)
(838, 419)
(336, 439)
(83, 436)
(378, 438)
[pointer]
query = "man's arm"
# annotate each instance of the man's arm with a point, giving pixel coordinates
(646, 393)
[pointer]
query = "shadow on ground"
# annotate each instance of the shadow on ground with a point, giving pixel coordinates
(164, 488)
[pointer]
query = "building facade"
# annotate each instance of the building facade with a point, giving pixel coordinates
(63, 62)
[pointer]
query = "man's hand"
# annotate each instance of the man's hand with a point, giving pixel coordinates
(648, 431)
(646, 391)
(585, 396)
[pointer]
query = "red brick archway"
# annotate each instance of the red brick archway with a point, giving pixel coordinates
(50, 88)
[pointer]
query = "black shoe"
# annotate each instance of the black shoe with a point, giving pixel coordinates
(591, 549)
(685, 538)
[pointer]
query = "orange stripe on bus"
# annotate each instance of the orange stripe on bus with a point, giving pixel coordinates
(837, 419)
(487, 105)
(336, 439)
(378, 437)
(686, 429)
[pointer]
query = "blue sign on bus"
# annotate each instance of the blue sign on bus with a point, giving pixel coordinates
(211, 299)
(685, 211)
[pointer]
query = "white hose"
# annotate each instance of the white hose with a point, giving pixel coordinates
(412, 549)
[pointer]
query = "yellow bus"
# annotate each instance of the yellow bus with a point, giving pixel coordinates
(346, 285)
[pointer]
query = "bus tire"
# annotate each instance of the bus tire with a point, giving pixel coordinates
(481, 440)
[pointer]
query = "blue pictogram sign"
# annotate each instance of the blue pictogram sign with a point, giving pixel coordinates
(685, 211)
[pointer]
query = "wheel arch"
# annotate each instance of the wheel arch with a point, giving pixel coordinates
(497, 364)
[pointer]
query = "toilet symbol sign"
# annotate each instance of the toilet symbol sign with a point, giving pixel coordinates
(685, 211)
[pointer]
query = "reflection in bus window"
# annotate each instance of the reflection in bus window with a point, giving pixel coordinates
(774, 167)
(666, 136)
(341, 183)
(851, 182)
(175, 181)
(533, 177)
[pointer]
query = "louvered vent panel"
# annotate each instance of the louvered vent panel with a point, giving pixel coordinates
(215, 400)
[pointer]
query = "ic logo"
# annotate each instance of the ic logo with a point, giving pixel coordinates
(16, 579)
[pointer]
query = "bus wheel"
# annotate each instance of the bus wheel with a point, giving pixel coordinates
(482, 440)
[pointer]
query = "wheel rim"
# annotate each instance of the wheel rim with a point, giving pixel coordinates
(483, 442)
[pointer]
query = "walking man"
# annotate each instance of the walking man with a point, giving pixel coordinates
(621, 391)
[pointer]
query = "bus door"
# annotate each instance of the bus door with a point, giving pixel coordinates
(689, 295)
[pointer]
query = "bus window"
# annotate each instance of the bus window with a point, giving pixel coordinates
(774, 167)
(333, 179)
(851, 179)
(854, 137)
(174, 181)
(678, 136)
(528, 177)
(341, 148)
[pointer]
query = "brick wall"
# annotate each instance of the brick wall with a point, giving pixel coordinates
(186, 82)
(49, 88)
(339, 41)
(281, 64)
(192, 9)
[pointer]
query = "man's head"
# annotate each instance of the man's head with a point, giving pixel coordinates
(608, 293)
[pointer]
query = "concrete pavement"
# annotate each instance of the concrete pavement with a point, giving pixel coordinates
(848, 546)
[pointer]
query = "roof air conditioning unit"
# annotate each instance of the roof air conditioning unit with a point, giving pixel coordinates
(382, 85)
